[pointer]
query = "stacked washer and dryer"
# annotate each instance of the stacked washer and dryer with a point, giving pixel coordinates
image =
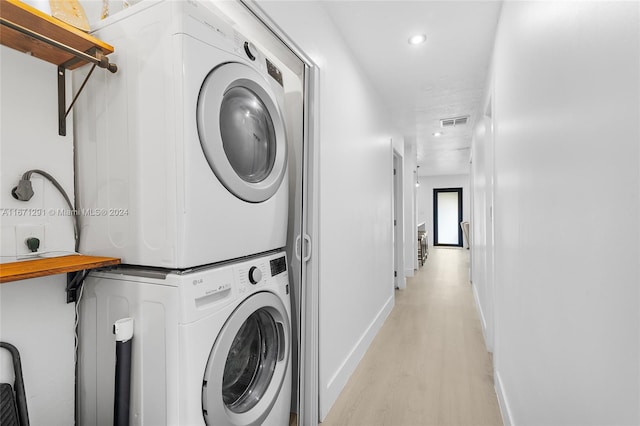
(181, 173)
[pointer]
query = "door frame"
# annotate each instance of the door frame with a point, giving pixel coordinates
(437, 191)
(490, 225)
(399, 280)
(308, 315)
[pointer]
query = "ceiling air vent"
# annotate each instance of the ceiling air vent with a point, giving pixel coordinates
(455, 121)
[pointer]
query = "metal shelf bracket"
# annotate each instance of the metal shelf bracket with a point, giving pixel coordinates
(75, 281)
(63, 111)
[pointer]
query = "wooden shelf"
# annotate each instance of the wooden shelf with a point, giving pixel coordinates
(29, 30)
(32, 19)
(23, 270)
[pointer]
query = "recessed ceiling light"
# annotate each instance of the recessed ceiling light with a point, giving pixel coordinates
(417, 39)
(436, 134)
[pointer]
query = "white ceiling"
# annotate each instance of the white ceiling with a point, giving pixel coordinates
(442, 78)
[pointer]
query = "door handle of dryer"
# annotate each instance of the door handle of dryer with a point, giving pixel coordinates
(307, 240)
(297, 248)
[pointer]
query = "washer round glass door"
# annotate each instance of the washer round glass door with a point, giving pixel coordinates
(242, 132)
(248, 363)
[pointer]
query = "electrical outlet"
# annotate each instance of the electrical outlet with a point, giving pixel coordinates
(24, 233)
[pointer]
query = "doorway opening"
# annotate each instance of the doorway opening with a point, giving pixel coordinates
(399, 280)
(447, 215)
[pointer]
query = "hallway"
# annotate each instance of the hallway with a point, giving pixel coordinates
(428, 364)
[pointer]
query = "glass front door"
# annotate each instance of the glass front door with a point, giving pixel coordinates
(251, 362)
(248, 363)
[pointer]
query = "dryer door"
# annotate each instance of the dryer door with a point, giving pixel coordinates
(242, 132)
(248, 363)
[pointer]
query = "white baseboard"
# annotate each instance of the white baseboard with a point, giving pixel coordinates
(507, 418)
(338, 381)
(483, 321)
(479, 306)
(409, 272)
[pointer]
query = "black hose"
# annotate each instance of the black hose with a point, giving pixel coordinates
(123, 384)
(76, 234)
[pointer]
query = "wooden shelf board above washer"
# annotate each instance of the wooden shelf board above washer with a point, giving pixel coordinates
(31, 18)
(36, 268)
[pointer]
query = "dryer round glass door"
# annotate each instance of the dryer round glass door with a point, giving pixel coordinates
(248, 363)
(242, 132)
(247, 134)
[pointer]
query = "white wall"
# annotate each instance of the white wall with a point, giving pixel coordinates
(34, 315)
(425, 198)
(355, 255)
(567, 161)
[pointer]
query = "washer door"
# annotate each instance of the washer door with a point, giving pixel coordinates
(248, 363)
(242, 132)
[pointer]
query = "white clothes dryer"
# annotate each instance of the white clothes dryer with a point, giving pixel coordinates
(211, 346)
(182, 154)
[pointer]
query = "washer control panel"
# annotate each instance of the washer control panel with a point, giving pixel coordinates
(262, 273)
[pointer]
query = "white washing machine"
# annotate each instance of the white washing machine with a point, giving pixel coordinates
(182, 154)
(211, 346)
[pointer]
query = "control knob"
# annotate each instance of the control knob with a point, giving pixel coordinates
(250, 50)
(255, 275)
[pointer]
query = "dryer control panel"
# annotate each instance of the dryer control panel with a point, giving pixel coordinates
(274, 72)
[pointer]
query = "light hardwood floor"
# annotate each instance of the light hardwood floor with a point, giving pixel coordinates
(428, 364)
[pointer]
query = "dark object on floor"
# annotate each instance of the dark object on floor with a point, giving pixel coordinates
(13, 402)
